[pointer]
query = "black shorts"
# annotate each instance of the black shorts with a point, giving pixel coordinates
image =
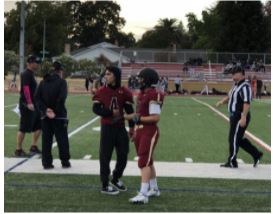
(30, 121)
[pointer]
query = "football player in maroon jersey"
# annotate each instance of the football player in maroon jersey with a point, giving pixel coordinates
(147, 115)
(109, 102)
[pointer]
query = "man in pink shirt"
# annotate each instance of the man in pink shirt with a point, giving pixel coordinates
(30, 119)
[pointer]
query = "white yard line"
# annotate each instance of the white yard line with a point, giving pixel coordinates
(8, 106)
(11, 126)
(78, 129)
(247, 133)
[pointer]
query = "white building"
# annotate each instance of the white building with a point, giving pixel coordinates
(109, 51)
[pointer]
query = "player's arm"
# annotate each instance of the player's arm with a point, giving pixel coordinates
(246, 96)
(153, 117)
(128, 107)
(99, 109)
(39, 101)
(222, 102)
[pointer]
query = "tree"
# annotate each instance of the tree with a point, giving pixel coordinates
(99, 21)
(166, 34)
(57, 19)
(232, 26)
(11, 62)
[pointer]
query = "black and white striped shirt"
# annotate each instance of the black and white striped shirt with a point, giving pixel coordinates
(239, 94)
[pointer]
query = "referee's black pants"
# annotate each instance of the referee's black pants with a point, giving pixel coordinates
(113, 137)
(58, 128)
(236, 139)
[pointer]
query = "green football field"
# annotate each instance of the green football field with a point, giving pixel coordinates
(187, 129)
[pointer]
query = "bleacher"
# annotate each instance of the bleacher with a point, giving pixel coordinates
(213, 72)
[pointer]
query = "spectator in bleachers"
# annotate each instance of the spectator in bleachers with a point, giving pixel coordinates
(254, 86)
(177, 83)
(130, 86)
(228, 67)
(206, 88)
(249, 79)
(261, 66)
(166, 81)
(254, 66)
(259, 88)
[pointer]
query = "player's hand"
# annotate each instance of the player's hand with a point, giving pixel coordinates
(50, 113)
(30, 107)
(116, 113)
(128, 116)
(242, 122)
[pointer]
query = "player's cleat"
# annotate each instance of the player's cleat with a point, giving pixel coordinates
(119, 185)
(109, 190)
(66, 164)
(34, 150)
(49, 166)
(229, 165)
(20, 153)
(140, 198)
(153, 192)
(257, 160)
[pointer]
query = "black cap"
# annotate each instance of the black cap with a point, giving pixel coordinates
(58, 66)
(34, 59)
(237, 69)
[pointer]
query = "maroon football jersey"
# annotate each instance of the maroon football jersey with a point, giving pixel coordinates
(113, 99)
(146, 97)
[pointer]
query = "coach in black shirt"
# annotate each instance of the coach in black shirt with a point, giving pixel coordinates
(30, 118)
(239, 99)
(50, 96)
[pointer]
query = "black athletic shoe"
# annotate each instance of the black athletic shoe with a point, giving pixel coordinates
(119, 185)
(66, 164)
(109, 190)
(49, 166)
(229, 165)
(257, 160)
(34, 149)
(20, 153)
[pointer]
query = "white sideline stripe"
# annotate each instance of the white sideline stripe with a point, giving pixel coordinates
(11, 126)
(188, 160)
(240, 161)
(163, 169)
(87, 157)
(78, 129)
(250, 135)
(10, 105)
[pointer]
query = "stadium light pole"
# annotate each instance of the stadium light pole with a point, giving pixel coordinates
(22, 37)
(44, 35)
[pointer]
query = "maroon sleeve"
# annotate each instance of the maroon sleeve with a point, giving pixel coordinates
(97, 97)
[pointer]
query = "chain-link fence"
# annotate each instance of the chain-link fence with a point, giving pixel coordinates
(196, 56)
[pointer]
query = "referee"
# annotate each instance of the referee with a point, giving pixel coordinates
(50, 96)
(238, 100)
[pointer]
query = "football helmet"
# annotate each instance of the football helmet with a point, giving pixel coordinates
(148, 77)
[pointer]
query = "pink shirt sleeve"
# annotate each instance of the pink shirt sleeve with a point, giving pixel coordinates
(27, 94)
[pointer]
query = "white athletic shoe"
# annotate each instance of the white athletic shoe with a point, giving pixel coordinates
(140, 198)
(153, 192)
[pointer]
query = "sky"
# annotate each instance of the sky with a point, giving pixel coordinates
(142, 15)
